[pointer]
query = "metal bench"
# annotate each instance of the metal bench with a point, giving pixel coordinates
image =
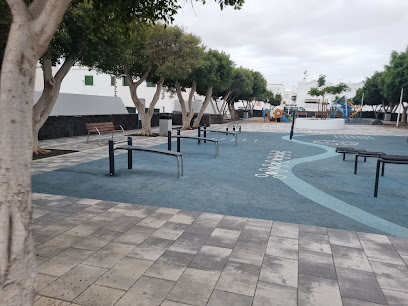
(345, 150)
(215, 131)
(365, 155)
(102, 128)
(387, 159)
(130, 148)
(178, 137)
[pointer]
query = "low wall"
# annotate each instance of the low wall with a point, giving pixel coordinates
(68, 126)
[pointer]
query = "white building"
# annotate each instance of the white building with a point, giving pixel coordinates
(82, 81)
(310, 103)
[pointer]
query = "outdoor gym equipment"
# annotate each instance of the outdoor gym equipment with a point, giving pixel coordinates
(346, 108)
(215, 131)
(130, 148)
(179, 137)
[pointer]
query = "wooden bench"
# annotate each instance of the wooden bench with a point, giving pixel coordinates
(102, 128)
(130, 148)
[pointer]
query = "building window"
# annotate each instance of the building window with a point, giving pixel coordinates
(125, 81)
(155, 110)
(150, 84)
(113, 81)
(89, 80)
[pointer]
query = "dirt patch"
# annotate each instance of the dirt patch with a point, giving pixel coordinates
(53, 152)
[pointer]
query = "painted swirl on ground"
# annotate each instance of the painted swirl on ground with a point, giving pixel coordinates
(320, 197)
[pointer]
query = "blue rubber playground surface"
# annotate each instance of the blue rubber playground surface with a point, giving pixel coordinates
(265, 176)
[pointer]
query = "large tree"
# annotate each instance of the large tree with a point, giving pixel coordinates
(321, 90)
(395, 77)
(214, 75)
(372, 93)
(30, 32)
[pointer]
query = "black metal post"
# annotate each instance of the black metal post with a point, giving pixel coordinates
(233, 128)
(205, 133)
(199, 133)
(355, 164)
(227, 129)
(169, 140)
(130, 156)
(377, 177)
(111, 158)
(240, 129)
(178, 140)
(293, 125)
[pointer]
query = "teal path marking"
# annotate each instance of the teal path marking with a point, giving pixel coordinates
(320, 197)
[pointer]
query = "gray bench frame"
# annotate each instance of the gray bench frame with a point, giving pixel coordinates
(365, 155)
(216, 131)
(377, 173)
(196, 138)
(130, 148)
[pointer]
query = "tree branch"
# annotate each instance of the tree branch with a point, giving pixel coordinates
(64, 69)
(18, 9)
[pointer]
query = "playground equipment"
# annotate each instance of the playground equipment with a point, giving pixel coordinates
(345, 108)
(286, 118)
(277, 113)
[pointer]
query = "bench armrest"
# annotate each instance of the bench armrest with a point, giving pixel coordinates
(120, 127)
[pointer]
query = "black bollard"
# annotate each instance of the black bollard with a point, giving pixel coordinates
(199, 133)
(293, 124)
(233, 128)
(227, 129)
(178, 140)
(205, 133)
(111, 158)
(130, 157)
(240, 129)
(169, 140)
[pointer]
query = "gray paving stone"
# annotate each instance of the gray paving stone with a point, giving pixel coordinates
(223, 238)
(185, 217)
(56, 245)
(89, 201)
(43, 236)
(135, 235)
(170, 266)
(232, 223)
(125, 273)
(401, 244)
(109, 255)
(107, 216)
(166, 210)
(283, 247)
(314, 243)
(64, 261)
(260, 235)
(170, 230)
(151, 249)
(155, 220)
(405, 259)
(350, 258)
(344, 238)
(279, 270)
(396, 297)
(199, 229)
(44, 280)
(318, 291)
(379, 248)
(87, 228)
(258, 224)
(141, 211)
(39, 260)
(122, 224)
(99, 296)
(313, 229)
(208, 220)
(352, 302)
(70, 285)
(188, 243)
(248, 252)
(359, 285)
(287, 230)
(194, 287)
(390, 276)
(46, 301)
(211, 258)
(316, 264)
(272, 294)
(172, 303)
(222, 298)
(146, 291)
(239, 278)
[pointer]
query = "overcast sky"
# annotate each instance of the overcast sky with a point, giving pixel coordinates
(347, 40)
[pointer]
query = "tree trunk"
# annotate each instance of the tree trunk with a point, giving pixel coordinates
(186, 119)
(404, 113)
(224, 101)
(233, 112)
(213, 106)
(375, 112)
(208, 95)
(52, 85)
(29, 36)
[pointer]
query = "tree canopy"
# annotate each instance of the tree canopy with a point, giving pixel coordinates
(323, 90)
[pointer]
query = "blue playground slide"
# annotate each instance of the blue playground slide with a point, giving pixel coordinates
(285, 119)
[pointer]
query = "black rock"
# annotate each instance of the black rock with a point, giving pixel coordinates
(376, 122)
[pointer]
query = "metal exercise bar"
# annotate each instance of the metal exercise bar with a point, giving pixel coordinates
(130, 155)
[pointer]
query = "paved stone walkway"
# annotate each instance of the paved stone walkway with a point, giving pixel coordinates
(92, 252)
